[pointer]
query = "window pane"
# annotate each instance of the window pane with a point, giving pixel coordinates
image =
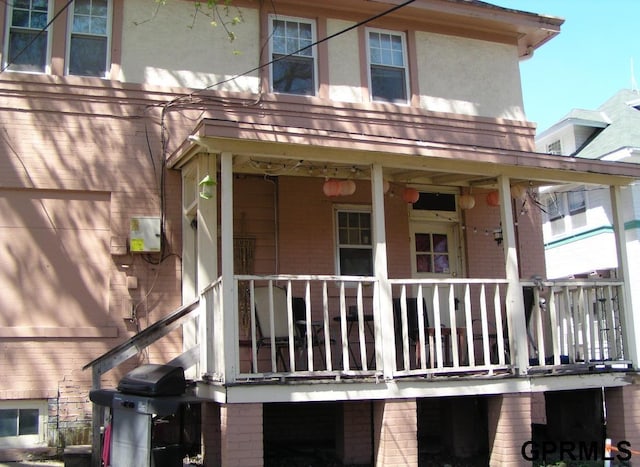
(38, 20)
(441, 263)
(81, 24)
(356, 262)
(82, 7)
(576, 200)
(99, 7)
(24, 4)
(31, 59)
(88, 56)
(99, 26)
(41, 5)
(294, 75)
(440, 243)
(28, 422)
(20, 18)
(423, 242)
(553, 208)
(8, 422)
(388, 84)
(305, 32)
(423, 263)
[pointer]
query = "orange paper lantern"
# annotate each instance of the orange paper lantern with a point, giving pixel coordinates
(410, 195)
(331, 188)
(493, 198)
(347, 187)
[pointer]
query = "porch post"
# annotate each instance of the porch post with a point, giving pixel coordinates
(518, 343)
(206, 264)
(630, 327)
(228, 298)
(383, 321)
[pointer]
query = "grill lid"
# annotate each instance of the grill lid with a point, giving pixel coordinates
(154, 380)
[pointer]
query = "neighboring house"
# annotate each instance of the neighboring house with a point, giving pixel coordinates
(167, 195)
(578, 218)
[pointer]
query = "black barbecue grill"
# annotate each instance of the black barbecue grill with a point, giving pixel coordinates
(148, 417)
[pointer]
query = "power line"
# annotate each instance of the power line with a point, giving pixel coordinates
(275, 60)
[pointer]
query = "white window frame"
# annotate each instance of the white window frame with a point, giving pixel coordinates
(108, 35)
(405, 66)
(338, 246)
(47, 34)
(581, 191)
(555, 147)
(313, 48)
(25, 441)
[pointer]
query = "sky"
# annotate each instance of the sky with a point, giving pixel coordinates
(589, 61)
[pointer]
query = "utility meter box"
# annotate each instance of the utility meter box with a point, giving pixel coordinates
(144, 235)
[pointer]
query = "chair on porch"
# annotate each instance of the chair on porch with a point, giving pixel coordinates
(412, 324)
(280, 336)
(300, 320)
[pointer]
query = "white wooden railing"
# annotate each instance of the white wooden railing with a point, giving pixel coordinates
(319, 326)
(461, 325)
(577, 322)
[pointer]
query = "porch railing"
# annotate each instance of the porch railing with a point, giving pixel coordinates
(324, 326)
(576, 322)
(461, 325)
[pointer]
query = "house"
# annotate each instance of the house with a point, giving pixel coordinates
(331, 223)
(579, 217)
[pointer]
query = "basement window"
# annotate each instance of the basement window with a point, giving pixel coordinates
(22, 423)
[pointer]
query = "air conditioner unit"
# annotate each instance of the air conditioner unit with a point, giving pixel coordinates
(144, 235)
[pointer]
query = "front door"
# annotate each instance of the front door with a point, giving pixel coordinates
(435, 255)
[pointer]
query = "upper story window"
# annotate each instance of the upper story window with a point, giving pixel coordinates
(577, 201)
(88, 43)
(555, 148)
(294, 68)
(387, 66)
(355, 249)
(27, 41)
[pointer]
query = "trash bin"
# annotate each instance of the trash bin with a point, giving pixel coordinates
(147, 422)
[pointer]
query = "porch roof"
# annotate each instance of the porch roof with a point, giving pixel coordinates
(457, 159)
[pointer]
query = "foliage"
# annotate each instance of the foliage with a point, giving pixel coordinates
(220, 13)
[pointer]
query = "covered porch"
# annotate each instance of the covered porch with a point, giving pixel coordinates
(276, 303)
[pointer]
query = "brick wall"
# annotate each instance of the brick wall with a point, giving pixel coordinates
(396, 433)
(623, 415)
(353, 438)
(241, 435)
(509, 428)
(211, 440)
(75, 169)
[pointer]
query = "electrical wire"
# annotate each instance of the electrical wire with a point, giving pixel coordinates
(302, 49)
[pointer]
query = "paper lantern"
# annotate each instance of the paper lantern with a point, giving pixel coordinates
(410, 195)
(518, 191)
(347, 187)
(466, 201)
(493, 198)
(331, 188)
(385, 186)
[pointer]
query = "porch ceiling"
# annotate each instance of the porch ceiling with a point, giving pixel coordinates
(265, 150)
